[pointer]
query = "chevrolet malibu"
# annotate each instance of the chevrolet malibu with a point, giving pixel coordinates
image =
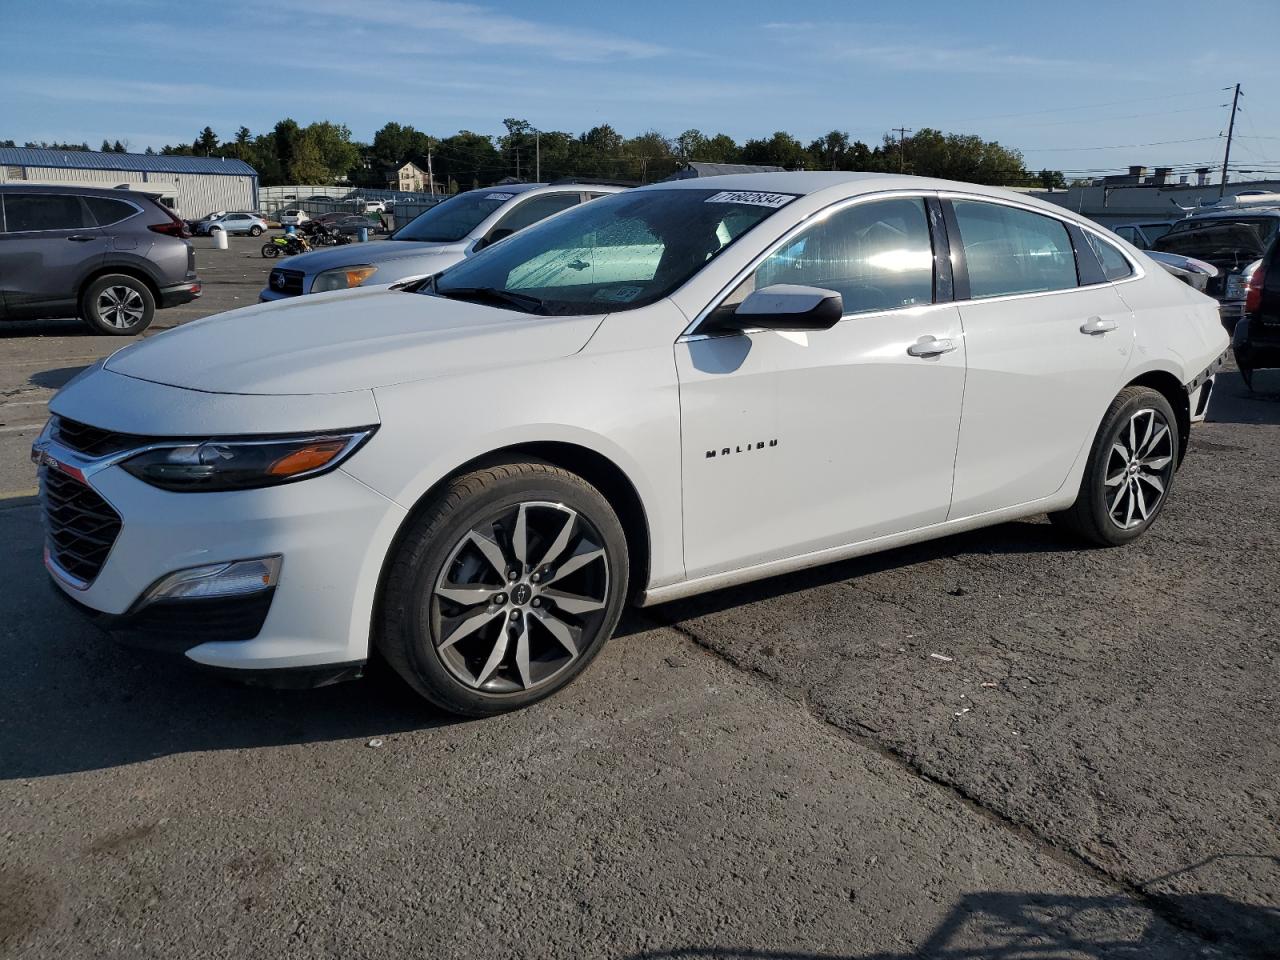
(663, 392)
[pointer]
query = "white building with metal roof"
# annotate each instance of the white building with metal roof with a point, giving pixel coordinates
(195, 186)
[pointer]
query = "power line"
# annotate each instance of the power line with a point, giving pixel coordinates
(1118, 146)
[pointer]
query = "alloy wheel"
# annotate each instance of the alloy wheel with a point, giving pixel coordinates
(520, 598)
(1139, 468)
(120, 306)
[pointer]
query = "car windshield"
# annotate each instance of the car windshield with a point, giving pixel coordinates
(455, 218)
(616, 253)
(1229, 242)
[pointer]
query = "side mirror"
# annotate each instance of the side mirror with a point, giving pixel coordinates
(788, 306)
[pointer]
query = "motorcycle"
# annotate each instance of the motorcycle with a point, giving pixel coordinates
(285, 246)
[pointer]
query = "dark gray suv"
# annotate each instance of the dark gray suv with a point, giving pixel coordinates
(110, 257)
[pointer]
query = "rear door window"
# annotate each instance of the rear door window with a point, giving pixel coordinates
(1009, 250)
(107, 211)
(44, 211)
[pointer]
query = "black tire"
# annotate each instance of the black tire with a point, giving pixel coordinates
(118, 305)
(411, 614)
(270, 251)
(255, 231)
(1090, 517)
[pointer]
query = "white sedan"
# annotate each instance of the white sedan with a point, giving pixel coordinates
(667, 391)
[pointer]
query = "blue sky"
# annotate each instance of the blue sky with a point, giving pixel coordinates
(1059, 83)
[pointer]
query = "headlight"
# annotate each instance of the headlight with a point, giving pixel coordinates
(244, 463)
(342, 279)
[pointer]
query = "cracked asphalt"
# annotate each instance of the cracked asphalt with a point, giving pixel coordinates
(995, 745)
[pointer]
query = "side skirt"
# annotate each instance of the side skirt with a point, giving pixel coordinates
(773, 568)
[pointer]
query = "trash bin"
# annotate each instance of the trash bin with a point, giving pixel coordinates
(219, 239)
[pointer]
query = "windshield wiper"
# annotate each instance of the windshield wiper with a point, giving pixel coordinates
(521, 301)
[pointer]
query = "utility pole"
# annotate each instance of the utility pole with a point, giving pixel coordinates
(902, 137)
(431, 177)
(537, 153)
(1231, 129)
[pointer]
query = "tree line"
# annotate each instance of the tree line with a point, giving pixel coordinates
(326, 152)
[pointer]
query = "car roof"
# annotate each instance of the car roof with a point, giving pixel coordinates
(1235, 213)
(18, 186)
(843, 183)
(559, 185)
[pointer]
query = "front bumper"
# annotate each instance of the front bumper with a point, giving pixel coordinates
(332, 532)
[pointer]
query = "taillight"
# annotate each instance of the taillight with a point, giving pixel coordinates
(1253, 292)
(176, 227)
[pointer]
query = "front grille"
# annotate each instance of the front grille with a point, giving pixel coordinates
(93, 441)
(81, 527)
(288, 282)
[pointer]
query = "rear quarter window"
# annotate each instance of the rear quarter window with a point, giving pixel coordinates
(1115, 265)
(107, 211)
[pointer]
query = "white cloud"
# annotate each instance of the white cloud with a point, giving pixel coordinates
(854, 43)
(483, 26)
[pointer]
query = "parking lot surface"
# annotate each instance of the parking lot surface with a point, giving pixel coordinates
(995, 745)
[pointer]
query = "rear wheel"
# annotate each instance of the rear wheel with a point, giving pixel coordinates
(255, 231)
(504, 588)
(118, 305)
(1130, 470)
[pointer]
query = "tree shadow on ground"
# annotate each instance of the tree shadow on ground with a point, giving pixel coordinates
(1020, 926)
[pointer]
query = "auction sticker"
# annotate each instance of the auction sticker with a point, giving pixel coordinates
(498, 196)
(752, 197)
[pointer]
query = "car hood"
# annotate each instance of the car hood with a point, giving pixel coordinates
(376, 251)
(348, 340)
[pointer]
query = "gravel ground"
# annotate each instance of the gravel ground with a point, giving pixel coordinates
(995, 745)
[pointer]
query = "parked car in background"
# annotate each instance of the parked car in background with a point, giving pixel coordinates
(667, 391)
(321, 198)
(1143, 235)
(447, 233)
(111, 257)
(1256, 341)
(1232, 240)
(239, 222)
(346, 223)
(292, 217)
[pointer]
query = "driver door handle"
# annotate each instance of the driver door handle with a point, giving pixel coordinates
(1096, 325)
(930, 347)
(80, 238)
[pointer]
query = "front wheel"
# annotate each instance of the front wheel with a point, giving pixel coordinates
(270, 251)
(1130, 470)
(255, 231)
(504, 588)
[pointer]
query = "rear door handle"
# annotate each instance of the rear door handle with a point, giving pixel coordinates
(1096, 325)
(80, 238)
(930, 347)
